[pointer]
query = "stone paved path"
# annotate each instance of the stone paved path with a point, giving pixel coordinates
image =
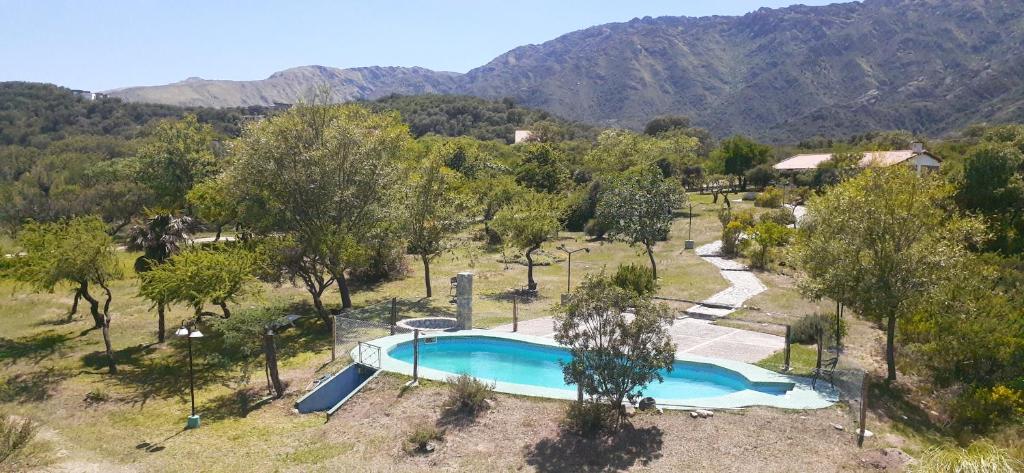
(692, 336)
(743, 284)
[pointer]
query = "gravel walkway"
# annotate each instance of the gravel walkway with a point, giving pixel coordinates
(743, 284)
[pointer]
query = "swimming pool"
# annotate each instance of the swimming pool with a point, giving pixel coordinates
(520, 364)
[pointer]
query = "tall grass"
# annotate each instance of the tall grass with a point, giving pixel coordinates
(980, 457)
(19, 449)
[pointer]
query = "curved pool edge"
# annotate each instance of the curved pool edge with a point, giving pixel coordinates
(801, 396)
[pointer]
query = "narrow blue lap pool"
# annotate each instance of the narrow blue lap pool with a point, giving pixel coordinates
(525, 365)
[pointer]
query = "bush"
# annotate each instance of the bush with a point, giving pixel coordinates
(19, 450)
(467, 394)
(733, 226)
(595, 228)
(979, 410)
(589, 418)
(805, 330)
(979, 456)
(770, 197)
(423, 434)
(636, 279)
(782, 217)
(760, 176)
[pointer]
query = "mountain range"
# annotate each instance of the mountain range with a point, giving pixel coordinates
(928, 66)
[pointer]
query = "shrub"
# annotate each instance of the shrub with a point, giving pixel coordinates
(782, 217)
(981, 409)
(733, 226)
(467, 394)
(19, 450)
(979, 456)
(762, 240)
(423, 434)
(770, 197)
(97, 396)
(805, 330)
(760, 176)
(595, 228)
(589, 418)
(636, 279)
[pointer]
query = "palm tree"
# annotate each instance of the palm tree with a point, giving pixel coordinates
(159, 237)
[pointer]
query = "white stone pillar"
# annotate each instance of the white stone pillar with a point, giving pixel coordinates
(464, 301)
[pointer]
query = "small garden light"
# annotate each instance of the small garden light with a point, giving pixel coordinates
(185, 331)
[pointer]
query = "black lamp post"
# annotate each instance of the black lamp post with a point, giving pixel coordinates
(186, 331)
(568, 277)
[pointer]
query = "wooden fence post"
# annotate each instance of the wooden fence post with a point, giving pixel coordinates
(415, 355)
(786, 366)
(394, 314)
(515, 314)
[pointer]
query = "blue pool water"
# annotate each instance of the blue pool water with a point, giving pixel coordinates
(512, 361)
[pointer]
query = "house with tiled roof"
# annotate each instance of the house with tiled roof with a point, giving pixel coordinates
(917, 157)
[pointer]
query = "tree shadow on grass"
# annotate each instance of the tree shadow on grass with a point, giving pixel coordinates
(379, 310)
(620, 451)
(234, 405)
(34, 348)
(32, 387)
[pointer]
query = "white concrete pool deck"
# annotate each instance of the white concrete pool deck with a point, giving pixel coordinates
(692, 336)
(801, 396)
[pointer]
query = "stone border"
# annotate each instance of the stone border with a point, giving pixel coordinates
(428, 324)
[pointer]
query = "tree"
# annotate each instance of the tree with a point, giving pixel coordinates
(197, 277)
(526, 224)
(178, 155)
(492, 194)
(542, 168)
(665, 123)
(252, 331)
(326, 174)
(437, 211)
(762, 239)
(992, 185)
(638, 208)
(79, 252)
(879, 243)
(739, 154)
(158, 238)
(282, 259)
(214, 202)
(614, 358)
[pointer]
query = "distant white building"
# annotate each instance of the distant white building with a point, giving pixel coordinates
(87, 95)
(523, 135)
(917, 157)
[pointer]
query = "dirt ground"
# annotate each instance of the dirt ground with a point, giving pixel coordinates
(520, 434)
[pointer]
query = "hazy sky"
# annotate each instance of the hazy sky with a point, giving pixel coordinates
(99, 45)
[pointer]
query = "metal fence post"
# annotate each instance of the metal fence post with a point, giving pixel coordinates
(334, 338)
(863, 409)
(786, 366)
(415, 355)
(515, 314)
(394, 314)
(821, 346)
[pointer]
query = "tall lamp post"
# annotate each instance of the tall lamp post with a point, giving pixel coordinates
(568, 277)
(186, 331)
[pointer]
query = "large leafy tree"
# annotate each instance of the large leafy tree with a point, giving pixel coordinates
(880, 242)
(78, 252)
(327, 175)
(526, 224)
(638, 208)
(614, 356)
(542, 168)
(197, 277)
(437, 211)
(738, 154)
(177, 156)
(991, 184)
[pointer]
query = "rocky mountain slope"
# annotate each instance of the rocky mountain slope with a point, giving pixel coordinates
(929, 66)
